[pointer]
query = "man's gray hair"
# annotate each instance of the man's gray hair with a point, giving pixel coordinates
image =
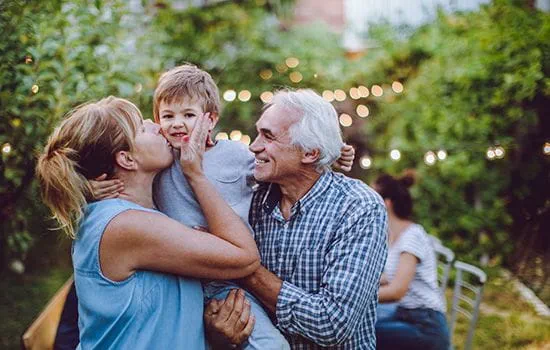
(318, 127)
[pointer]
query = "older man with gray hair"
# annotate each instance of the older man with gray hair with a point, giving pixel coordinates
(321, 235)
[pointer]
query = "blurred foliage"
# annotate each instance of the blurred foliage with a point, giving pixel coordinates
(471, 81)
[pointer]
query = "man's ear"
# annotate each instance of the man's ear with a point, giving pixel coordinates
(125, 160)
(310, 157)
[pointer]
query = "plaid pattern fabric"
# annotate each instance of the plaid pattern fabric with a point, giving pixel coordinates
(330, 255)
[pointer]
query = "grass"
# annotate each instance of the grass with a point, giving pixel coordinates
(506, 321)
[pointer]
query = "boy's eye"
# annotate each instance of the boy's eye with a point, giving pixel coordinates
(189, 115)
(166, 116)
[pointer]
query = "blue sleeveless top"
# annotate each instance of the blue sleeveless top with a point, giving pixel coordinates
(148, 310)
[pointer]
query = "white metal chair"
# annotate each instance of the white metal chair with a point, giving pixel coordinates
(445, 258)
(467, 295)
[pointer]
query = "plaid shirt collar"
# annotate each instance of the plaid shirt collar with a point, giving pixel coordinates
(273, 195)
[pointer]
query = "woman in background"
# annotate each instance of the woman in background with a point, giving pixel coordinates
(412, 311)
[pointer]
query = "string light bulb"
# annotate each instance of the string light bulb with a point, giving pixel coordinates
(363, 91)
(491, 153)
(499, 152)
(546, 148)
(222, 136)
(244, 95)
(397, 87)
(395, 155)
(245, 139)
(266, 74)
(35, 89)
(292, 62)
(235, 135)
(229, 95)
(441, 154)
(295, 77)
(354, 93)
(339, 95)
(345, 120)
(377, 90)
(365, 162)
(6, 148)
(430, 158)
(362, 111)
(266, 96)
(328, 95)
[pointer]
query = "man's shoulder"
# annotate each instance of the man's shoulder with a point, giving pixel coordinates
(354, 190)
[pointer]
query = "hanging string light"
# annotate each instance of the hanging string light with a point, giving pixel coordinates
(244, 95)
(377, 90)
(365, 162)
(362, 111)
(266, 96)
(499, 152)
(546, 148)
(491, 153)
(6, 148)
(395, 155)
(441, 154)
(295, 77)
(363, 91)
(245, 139)
(222, 136)
(235, 135)
(345, 120)
(229, 95)
(328, 95)
(397, 87)
(354, 93)
(266, 74)
(430, 158)
(35, 89)
(339, 95)
(292, 62)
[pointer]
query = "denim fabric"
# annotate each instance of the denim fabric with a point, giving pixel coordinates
(413, 329)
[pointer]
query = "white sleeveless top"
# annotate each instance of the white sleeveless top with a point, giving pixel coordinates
(423, 290)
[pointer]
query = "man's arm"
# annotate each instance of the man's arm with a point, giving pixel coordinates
(351, 276)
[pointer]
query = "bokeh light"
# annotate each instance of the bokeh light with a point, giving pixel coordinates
(395, 154)
(229, 95)
(362, 111)
(345, 120)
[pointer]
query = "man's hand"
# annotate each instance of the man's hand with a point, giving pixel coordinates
(229, 321)
(345, 162)
(105, 189)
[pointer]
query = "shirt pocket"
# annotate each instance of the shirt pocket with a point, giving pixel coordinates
(309, 269)
(230, 185)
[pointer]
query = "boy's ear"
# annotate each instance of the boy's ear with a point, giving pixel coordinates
(310, 157)
(125, 160)
(213, 120)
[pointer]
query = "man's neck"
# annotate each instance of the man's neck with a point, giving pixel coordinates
(138, 189)
(293, 189)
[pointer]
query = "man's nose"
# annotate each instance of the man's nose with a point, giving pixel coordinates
(255, 145)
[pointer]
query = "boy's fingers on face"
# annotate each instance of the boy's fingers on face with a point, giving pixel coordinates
(101, 177)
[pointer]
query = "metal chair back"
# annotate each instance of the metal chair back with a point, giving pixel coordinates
(445, 258)
(467, 295)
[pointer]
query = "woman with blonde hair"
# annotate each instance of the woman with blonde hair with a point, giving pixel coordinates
(129, 259)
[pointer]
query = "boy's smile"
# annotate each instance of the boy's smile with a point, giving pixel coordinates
(178, 117)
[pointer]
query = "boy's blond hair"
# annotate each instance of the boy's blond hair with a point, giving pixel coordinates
(186, 81)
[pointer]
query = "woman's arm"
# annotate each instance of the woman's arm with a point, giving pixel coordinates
(399, 285)
(138, 240)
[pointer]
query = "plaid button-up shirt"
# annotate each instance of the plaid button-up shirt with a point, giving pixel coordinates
(330, 255)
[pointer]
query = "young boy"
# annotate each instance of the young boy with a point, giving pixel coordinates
(182, 95)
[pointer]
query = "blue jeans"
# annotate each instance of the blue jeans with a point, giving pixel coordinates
(412, 329)
(264, 335)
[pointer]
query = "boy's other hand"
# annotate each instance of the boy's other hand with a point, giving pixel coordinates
(345, 162)
(105, 189)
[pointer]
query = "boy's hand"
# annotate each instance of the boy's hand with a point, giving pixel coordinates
(345, 162)
(192, 148)
(105, 189)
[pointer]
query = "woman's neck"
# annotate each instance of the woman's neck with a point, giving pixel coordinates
(138, 188)
(396, 226)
